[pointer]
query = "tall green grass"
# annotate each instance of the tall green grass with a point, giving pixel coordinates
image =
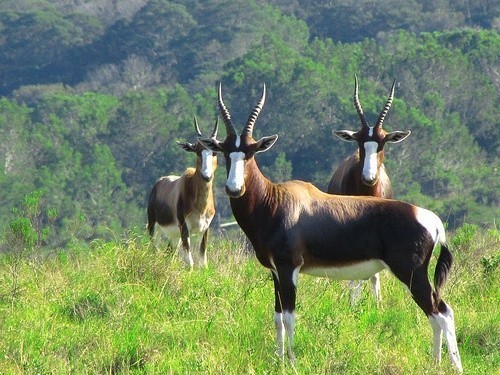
(127, 308)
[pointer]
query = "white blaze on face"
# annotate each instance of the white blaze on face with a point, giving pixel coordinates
(370, 164)
(207, 170)
(235, 179)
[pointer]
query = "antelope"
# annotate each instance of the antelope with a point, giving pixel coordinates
(183, 206)
(296, 228)
(363, 173)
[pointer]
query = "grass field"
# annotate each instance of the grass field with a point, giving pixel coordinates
(124, 307)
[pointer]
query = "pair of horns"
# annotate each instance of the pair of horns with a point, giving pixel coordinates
(357, 104)
(214, 132)
(226, 117)
(230, 129)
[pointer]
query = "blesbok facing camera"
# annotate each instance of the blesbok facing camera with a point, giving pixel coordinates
(296, 228)
(183, 206)
(363, 173)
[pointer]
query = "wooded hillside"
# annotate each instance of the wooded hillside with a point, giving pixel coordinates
(95, 94)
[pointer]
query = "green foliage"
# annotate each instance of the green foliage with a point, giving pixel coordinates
(490, 264)
(85, 307)
(98, 92)
(36, 39)
(464, 236)
(125, 307)
(281, 170)
(96, 142)
(16, 165)
(31, 226)
(22, 233)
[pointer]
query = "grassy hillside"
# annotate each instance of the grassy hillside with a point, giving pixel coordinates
(125, 308)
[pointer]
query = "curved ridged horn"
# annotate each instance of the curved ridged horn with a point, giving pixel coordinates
(255, 113)
(226, 117)
(197, 128)
(386, 108)
(216, 127)
(357, 104)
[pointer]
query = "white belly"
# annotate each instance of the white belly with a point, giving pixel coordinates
(359, 271)
(170, 231)
(198, 224)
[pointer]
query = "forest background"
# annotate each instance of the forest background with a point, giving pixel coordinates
(94, 95)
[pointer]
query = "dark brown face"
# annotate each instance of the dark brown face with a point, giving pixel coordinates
(206, 159)
(371, 139)
(371, 144)
(237, 149)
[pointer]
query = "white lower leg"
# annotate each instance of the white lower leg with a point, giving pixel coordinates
(289, 320)
(280, 335)
(375, 279)
(446, 321)
(156, 239)
(355, 287)
(203, 260)
(186, 255)
(188, 259)
(437, 338)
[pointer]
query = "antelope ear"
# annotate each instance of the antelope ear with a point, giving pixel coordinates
(211, 144)
(397, 136)
(346, 135)
(187, 146)
(265, 143)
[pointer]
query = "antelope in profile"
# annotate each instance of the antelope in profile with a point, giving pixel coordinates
(296, 228)
(183, 206)
(363, 173)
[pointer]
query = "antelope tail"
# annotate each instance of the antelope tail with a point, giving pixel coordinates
(151, 212)
(443, 268)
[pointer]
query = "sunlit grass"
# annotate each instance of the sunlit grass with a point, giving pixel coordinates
(126, 307)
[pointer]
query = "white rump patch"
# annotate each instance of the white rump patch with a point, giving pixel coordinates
(370, 164)
(235, 179)
(207, 157)
(358, 271)
(430, 221)
(170, 178)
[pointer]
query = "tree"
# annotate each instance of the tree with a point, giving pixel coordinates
(17, 167)
(36, 42)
